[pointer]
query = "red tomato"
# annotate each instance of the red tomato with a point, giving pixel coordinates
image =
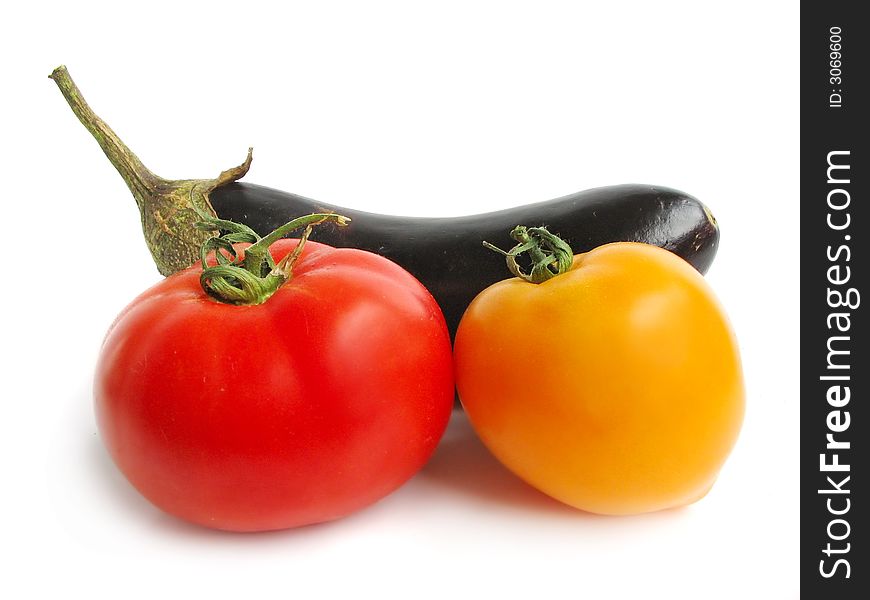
(303, 409)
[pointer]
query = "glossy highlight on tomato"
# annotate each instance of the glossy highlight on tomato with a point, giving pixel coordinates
(299, 410)
(614, 387)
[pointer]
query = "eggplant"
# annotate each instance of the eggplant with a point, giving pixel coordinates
(445, 254)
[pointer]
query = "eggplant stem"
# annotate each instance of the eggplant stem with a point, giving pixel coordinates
(169, 209)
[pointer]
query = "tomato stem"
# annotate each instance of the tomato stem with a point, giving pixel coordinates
(251, 279)
(549, 253)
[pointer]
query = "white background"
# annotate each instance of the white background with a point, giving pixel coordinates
(398, 107)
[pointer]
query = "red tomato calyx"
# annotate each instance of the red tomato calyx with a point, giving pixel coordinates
(251, 278)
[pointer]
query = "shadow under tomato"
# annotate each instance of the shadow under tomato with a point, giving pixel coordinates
(463, 464)
(131, 503)
(135, 507)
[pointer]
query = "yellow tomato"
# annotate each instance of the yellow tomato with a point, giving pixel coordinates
(615, 387)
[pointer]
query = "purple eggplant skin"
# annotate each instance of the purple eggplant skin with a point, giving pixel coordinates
(446, 253)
